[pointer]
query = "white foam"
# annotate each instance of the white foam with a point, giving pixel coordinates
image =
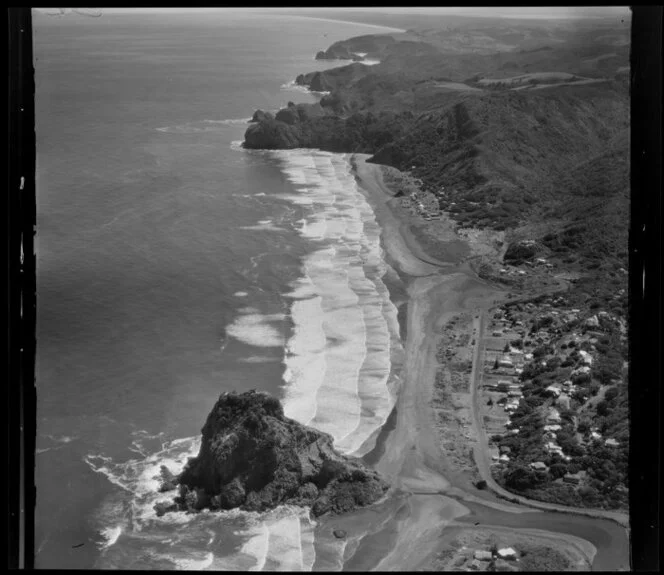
(236, 145)
(263, 227)
(338, 360)
(111, 535)
(257, 330)
(257, 546)
(62, 438)
(281, 539)
(195, 564)
(257, 359)
(240, 294)
(203, 126)
(370, 62)
(292, 86)
(306, 366)
(141, 477)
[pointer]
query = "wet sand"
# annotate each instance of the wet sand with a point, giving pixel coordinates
(428, 494)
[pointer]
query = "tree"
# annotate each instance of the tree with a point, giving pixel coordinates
(521, 478)
(558, 470)
(602, 408)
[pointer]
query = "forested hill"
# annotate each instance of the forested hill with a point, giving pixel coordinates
(520, 121)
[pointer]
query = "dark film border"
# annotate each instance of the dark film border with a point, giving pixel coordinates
(645, 316)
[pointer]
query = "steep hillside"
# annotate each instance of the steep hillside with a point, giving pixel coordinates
(500, 156)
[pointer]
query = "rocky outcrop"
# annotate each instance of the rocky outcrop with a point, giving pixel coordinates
(255, 458)
(290, 128)
(334, 79)
(315, 81)
(260, 116)
(522, 251)
(350, 49)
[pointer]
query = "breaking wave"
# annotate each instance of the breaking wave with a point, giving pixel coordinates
(203, 126)
(131, 536)
(338, 360)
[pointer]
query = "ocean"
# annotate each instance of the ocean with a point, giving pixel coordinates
(173, 265)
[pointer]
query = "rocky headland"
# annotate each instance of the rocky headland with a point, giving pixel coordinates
(255, 458)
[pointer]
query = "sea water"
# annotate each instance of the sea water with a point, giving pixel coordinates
(173, 265)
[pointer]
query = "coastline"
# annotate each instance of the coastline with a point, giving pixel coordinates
(429, 494)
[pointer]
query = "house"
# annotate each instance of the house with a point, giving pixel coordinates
(592, 321)
(552, 427)
(504, 459)
(595, 436)
(572, 478)
(611, 442)
(553, 416)
(505, 362)
(504, 449)
(586, 358)
(552, 447)
(481, 555)
(515, 393)
(553, 390)
(540, 260)
(539, 466)
(564, 401)
(507, 553)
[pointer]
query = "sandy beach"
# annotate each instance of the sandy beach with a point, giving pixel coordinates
(431, 495)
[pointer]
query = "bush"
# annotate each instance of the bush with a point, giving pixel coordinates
(557, 470)
(521, 478)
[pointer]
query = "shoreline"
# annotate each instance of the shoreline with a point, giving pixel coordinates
(407, 450)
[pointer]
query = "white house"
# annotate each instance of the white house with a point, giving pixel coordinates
(507, 553)
(553, 390)
(586, 358)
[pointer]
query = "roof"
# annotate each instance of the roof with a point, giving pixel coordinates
(506, 552)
